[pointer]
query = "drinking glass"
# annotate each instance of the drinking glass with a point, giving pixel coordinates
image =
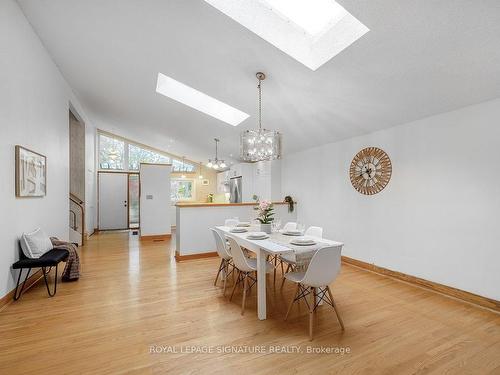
(277, 225)
(301, 227)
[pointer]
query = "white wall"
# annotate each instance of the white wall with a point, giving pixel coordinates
(439, 216)
(34, 105)
(155, 212)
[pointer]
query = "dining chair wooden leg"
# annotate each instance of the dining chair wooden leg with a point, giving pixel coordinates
(226, 269)
(311, 313)
(283, 280)
(335, 308)
(282, 269)
(235, 285)
(274, 269)
(245, 287)
(220, 269)
(292, 301)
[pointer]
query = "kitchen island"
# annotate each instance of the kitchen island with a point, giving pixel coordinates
(193, 238)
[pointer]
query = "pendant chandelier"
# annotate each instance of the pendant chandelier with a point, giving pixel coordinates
(260, 144)
(216, 163)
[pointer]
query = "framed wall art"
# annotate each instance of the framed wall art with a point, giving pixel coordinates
(31, 173)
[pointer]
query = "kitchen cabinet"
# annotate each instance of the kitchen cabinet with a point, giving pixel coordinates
(262, 179)
(223, 182)
(267, 180)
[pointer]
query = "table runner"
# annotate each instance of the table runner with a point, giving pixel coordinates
(303, 254)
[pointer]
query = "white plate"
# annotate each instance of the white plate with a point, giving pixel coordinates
(257, 236)
(243, 224)
(238, 230)
(302, 243)
(292, 233)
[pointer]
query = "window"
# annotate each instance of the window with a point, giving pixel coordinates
(137, 155)
(111, 153)
(182, 190)
(116, 153)
(178, 167)
(133, 200)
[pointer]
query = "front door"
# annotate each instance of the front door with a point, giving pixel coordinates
(113, 201)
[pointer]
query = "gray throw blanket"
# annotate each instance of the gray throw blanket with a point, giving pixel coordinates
(72, 269)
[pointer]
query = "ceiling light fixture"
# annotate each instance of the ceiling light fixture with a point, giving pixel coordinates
(193, 98)
(260, 144)
(216, 163)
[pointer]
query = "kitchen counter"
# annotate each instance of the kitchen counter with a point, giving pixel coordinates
(199, 204)
(193, 238)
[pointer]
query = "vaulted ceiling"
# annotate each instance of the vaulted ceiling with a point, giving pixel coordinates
(420, 58)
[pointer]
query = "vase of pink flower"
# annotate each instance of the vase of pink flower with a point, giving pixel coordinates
(266, 213)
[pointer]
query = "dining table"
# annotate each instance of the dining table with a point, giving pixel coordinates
(277, 243)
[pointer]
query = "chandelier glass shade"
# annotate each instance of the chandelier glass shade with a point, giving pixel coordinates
(260, 144)
(216, 163)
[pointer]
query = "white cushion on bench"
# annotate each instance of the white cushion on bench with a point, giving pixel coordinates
(35, 244)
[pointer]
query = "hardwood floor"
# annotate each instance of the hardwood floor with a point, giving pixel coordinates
(133, 296)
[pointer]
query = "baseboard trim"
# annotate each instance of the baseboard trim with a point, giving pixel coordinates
(449, 291)
(181, 258)
(159, 237)
(9, 297)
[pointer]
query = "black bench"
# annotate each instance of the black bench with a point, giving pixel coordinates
(50, 259)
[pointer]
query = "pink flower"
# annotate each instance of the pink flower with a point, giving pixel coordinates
(264, 205)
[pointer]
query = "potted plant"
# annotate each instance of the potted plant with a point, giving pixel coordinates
(266, 213)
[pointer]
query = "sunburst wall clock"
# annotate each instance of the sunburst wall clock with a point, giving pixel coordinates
(370, 170)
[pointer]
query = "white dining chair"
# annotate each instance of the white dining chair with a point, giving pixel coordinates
(321, 272)
(289, 258)
(226, 266)
(289, 226)
(247, 270)
(231, 223)
(314, 232)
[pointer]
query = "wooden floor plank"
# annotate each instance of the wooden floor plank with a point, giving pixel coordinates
(133, 295)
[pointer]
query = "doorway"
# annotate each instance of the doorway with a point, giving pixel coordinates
(113, 200)
(77, 230)
(118, 200)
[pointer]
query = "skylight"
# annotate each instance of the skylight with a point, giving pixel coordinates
(314, 16)
(310, 31)
(193, 98)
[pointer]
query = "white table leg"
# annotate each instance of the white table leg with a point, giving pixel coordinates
(261, 284)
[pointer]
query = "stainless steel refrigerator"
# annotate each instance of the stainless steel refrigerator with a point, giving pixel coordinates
(235, 190)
